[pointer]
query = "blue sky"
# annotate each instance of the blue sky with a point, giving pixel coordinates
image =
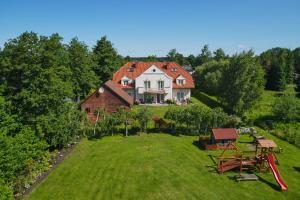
(141, 28)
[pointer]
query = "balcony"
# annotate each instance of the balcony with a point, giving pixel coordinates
(143, 90)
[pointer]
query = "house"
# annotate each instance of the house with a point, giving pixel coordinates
(155, 82)
(109, 97)
(188, 68)
(220, 138)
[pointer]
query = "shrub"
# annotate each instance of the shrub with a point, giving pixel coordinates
(5, 191)
(287, 107)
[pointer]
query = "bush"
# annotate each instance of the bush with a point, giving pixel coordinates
(5, 191)
(288, 131)
(197, 119)
(170, 101)
(287, 107)
(22, 158)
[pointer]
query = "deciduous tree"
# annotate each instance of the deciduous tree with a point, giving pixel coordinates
(242, 83)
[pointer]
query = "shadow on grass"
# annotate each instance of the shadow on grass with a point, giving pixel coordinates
(213, 158)
(207, 100)
(297, 169)
(197, 144)
(245, 142)
(272, 185)
(265, 122)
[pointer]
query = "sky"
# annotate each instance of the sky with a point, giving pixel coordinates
(152, 27)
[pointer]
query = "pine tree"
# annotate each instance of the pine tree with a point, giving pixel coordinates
(106, 59)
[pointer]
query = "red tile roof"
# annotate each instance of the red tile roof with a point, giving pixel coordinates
(121, 93)
(117, 90)
(140, 67)
(225, 133)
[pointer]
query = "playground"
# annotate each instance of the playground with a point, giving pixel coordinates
(263, 160)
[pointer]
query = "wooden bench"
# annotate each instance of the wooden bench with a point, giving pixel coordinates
(246, 177)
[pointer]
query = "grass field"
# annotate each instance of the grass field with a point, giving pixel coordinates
(159, 166)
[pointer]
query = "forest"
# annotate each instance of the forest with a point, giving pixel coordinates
(43, 79)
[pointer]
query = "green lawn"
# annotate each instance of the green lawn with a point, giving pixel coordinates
(263, 108)
(159, 166)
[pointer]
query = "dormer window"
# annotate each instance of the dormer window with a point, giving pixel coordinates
(131, 69)
(125, 82)
(180, 82)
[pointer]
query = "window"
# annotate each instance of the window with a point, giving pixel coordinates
(154, 70)
(180, 96)
(131, 69)
(125, 82)
(180, 82)
(88, 110)
(174, 69)
(147, 85)
(160, 85)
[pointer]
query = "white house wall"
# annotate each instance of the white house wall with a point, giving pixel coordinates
(153, 74)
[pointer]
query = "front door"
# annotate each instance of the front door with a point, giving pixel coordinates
(148, 98)
(160, 98)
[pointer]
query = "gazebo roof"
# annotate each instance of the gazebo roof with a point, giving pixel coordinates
(267, 143)
(225, 133)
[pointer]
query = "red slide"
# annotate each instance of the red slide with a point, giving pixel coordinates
(275, 172)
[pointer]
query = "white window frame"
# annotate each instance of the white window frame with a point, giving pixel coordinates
(161, 84)
(180, 81)
(147, 84)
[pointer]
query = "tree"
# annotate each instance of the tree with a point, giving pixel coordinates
(106, 59)
(143, 116)
(151, 58)
(191, 60)
(297, 81)
(278, 64)
(174, 56)
(219, 54)
(296, 59)
(287, 107)
(207, 77)
(173, 114)
(83, 76)
(205, 55)
(39, 86)
(60, 129)
(218, 118)
(242, 83)
(127, 59)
